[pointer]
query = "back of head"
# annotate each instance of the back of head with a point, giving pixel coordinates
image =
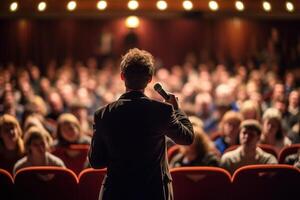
(137, 67)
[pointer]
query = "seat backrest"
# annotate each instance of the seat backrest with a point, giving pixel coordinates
(201, 183)
(90, 181)
(172, 151)
(286, 151)
(47, 183)
(265, 182)
(267, 148)
(6, 185)
(74, 156)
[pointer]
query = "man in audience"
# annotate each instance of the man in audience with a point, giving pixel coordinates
(248, 153)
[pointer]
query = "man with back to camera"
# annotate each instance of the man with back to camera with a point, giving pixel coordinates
(130, 136)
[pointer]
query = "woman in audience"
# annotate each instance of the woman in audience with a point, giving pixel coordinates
(69, 131)
(11, 143)
(37, 151)
(229, 131)
(272, 133)
(250, 110)
(248, 153)
(201, 153)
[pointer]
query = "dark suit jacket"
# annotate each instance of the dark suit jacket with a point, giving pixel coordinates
(130, 140)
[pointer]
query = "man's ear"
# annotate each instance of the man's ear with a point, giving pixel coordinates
(150, 79)
(122, 76)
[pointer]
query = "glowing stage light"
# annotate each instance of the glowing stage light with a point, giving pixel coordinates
(132, 22)
(267, 6)
(133, 5)
(72, 5)
(13, 7)
(187, 5)
(213, 5)
(162, 5)
(42, 6)
(289, 6)
(239, 5)
(101, 5)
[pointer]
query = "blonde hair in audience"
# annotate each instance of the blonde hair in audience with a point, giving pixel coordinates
(250, 106)
(35, 132)
(67, 118)
(7, 119)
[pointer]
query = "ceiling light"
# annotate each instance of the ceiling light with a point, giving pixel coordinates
(239, 5)
(101, 5)
(72, 5)
(267, 6)
(213, 5)
(289, 6)
(13, 7)
(133, 4)
(42, 6)
(187, 5)
(162, 5)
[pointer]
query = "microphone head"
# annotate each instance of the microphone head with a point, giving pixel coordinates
(157, 86)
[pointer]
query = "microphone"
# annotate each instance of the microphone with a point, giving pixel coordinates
(158, 88)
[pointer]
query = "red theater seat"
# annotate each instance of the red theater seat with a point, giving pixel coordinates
(74, 156)
(266, 182)
(6, 185)
(90, 181)
(46, 183)
(286, 151)
(196, 183)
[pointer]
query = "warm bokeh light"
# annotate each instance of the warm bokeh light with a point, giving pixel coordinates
(101, 5)
(13, 6)
(162, 5)
(72, 5)
(289, 6)
(267, 6)
(42, 6)
(133, 5)
(132, 22)
(187, 5)
(239, 5)
(213, 5)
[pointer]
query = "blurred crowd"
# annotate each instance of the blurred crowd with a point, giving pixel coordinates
(242, 105)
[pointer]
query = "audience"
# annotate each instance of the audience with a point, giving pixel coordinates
(69, 131)
(201, 153)
(273, 133)
(229, 131)
(221, 95)
(11, 143)
(37, 151)
(248, 153)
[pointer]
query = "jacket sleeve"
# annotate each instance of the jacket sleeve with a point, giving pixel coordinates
(98, 151)
(179, 128)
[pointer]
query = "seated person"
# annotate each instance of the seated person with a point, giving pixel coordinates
(37, 151)
(201, 153)
(69, 132)
(229, 131)
(248, 153)
(294, 133)
(272, 133)
(11, 143)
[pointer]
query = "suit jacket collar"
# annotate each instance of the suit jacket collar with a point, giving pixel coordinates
(133, 94)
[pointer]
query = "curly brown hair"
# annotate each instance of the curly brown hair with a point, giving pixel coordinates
(137, 67)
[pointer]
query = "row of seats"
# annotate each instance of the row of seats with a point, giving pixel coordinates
(286, 151)
(189, 183)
